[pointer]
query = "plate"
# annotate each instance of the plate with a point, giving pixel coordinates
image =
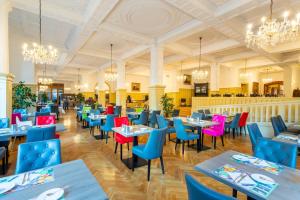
(6, 186)
(52, 194)
(262, 179)
(240, 157)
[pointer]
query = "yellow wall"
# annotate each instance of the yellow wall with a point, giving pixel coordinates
(222, 91)
(182, 93)
(137, 96)
(112, 97)
(88, 95)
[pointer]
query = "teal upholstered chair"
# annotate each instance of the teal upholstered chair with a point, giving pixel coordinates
(109, 124)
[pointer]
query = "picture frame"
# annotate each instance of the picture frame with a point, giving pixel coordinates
(135, 87)
(187, 80)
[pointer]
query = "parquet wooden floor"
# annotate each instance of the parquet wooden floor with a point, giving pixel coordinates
(121, 183)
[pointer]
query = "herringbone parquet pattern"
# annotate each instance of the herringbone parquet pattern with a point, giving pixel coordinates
(121, 183)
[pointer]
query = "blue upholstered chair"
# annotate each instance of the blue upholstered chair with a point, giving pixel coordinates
(143, 119)
(23, 112)
(285, 128)
(152, 149)
(278, 152)
(95, 122)
(130, 116)
(182, 135)
(38, 134)
(118, 111)
(197, 191)
(36, 155)
(234, 124)
(79, 112)
(152, 118)
(4, 140)
(175, 113)
(277, 126)
(254, 133)
(163, 123)
(109, 124)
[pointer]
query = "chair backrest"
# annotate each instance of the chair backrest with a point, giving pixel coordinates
(161, 121)
(130, 110)
(206, 111)
(254, 133)
(277, 126)
(40, 114)
(197, 115)
(118, 110)
(95, 111)
(36, 155)
(179, 128)
(45, 109)
(45, 120)
(175, 113)
(235, 121)
(4, 122)
(220, 119)
(35, 134)
(243, 119)
(119, 121)
(14, 117)
(144, 117)
(152, 117)
(201, 111)
(139, 110)
(155, 143)
(284, 127)
(54, 108)
(197, 191)
(20, 110)
(109, 123)
(110, 110)
(278, 152)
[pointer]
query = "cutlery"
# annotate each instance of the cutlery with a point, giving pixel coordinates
(23, 181)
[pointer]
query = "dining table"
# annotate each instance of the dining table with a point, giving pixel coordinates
(73, 177)
(133, 131)
(288, 137)
(286, 181)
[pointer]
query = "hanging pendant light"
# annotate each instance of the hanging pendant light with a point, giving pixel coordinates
(111, 76)
(180, 77)
(244, 76)
(38, 54)
(44, 80)
(267, 79)
(198, 74)
(78, 86)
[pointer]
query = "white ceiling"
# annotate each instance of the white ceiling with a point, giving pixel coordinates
(83, 30)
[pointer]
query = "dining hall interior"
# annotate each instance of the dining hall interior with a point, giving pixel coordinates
(149, 99)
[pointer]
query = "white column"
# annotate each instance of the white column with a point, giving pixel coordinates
(5, 77)
(101, 80)
(215, 77)
(157, 65)
(121, 82)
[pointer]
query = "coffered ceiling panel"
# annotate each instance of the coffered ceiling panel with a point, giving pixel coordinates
(88, 61)
(151, 18)
(220, 2)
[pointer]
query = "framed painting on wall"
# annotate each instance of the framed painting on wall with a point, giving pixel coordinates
(187, 80)
(135, 87)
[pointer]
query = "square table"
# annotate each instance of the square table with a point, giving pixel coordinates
(74, 176)
(288, 138)
(288, 179)
(136, 130)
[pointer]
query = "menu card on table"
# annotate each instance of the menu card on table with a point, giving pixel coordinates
(28, 179)
(259, 184)
(259, 163)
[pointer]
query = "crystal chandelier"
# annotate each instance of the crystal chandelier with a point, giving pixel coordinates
(111, 76)
(244, 76)
(180, 77)
(267, 79)
(273, 31)
(39, 54)
(44, 80)
(198, 74)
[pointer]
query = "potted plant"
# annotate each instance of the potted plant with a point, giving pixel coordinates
(22, 96)
(80, 98)
(167, 105)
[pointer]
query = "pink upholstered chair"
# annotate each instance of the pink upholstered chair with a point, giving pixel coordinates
(217, 130)
(14, 117)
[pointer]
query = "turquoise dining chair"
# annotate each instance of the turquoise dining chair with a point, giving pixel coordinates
(254, 134)
(4, 140)
(163, 123)
(182, 135)
(38, 134)
(278, 152)
(143, 119)
(234, 124)
(23, 112)
(109, 124)
(37, 155)
(152, 118)
(151, 150)
(197, 191)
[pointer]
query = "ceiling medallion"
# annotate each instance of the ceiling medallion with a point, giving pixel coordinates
(38, 54)
(199, 74)
(273, 31)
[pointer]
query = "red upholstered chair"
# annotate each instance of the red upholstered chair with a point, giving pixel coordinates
(109, 110)
(243, 121)
(46, 120)
(14, 117)
(120, 139)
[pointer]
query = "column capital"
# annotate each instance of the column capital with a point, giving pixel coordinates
(6, 3)
(7, 76)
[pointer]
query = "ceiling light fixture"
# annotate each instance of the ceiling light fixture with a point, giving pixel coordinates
(244, 76)
(180, 77)
(198, 74)
(44, 80)
(111, 76)
(39, 54)
(273, 31)
(267, 79)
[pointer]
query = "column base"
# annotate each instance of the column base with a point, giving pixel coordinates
(6, 81)
(155, 94)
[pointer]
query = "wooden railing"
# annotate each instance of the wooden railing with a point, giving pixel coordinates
(260, 112)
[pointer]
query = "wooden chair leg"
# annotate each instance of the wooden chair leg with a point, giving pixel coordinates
(3, 164)
(132, 164)
(106, 133)
(162, 164)
(215, 142)
(234, 193)
(222, 140)
(121, 152)
(169, 137)
(128, 146)
(233, 133)
(149, 167)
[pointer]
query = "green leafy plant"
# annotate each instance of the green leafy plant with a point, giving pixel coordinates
(22, 96)
(44, 97)
(167, 105)
(80, 97)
